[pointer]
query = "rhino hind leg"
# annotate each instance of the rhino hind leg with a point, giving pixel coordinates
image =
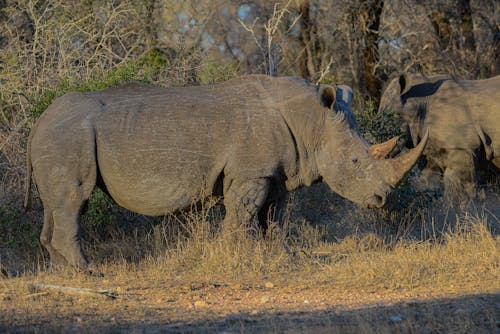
(56, 258)
(65, 184)
(66, 236)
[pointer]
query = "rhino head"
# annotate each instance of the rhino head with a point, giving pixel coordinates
(407, 96)
(351, 166)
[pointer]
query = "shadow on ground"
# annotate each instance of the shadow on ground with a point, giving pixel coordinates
(466, 314)
(410, 214)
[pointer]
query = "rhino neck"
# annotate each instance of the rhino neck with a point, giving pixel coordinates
(299, 106)
(297, 102)
(414, 114)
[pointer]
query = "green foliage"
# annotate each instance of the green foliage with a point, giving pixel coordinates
(16, 232)
(151, 64)
(8, 215)
(214, 72)
(328, 79)
(145, 68)
(378, 125)
(98, 220)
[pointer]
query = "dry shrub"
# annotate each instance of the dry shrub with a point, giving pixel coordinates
(195, 241)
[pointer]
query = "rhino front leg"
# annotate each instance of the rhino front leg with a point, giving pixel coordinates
(459, 175)
(243, 200)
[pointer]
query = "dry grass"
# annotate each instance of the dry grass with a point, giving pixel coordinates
(183, 275)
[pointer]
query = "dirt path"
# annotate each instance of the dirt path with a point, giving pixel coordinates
(278, 304)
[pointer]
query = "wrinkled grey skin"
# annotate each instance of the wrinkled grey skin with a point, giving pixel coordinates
(156, 150)
(463, 119)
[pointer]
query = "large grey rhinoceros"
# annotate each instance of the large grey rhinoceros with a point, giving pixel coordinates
(462, 117)
(156, 150)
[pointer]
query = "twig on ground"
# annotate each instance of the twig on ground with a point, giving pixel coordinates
(36, 294)
(34, 287)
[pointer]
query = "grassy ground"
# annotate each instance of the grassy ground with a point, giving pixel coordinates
(180, 275)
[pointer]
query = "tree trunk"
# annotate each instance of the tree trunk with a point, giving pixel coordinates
(308, 62)
(370, 22)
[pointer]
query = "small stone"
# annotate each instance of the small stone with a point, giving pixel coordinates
(269, 285)
(396, 318)
(200, 303)
(265, 299)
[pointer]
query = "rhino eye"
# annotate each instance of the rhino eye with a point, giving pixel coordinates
(356, 162)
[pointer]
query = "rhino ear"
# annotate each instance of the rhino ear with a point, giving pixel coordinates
(344, 96)
(327, 96)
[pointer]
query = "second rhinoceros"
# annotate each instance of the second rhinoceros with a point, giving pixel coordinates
(156, 150)
(463, 120)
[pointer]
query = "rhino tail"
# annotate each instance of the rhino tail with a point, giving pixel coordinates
(29, 172)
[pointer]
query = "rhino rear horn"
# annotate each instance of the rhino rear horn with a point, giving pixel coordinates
(400, 166)
(380, 151)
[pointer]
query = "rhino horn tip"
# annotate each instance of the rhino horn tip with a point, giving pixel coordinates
(404, 163)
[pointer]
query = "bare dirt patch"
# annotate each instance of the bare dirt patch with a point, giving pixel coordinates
(184, 303)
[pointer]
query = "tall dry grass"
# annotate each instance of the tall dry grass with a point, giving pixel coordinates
(463, 252)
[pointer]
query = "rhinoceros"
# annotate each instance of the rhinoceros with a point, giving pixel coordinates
(463, 118)
(156, 150)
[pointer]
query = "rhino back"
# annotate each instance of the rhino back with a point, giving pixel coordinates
(484, 97)
(160, 149)
(460, 109)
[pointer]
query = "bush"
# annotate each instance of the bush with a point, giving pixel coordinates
(15, 232)
(214, 71)
(377, 126)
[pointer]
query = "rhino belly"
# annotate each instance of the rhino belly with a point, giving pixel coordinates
(155, 182)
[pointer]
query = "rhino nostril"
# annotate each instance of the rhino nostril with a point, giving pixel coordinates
(379, 200)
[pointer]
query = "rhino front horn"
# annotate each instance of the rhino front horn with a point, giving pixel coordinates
(401, 165)
(380, 151)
